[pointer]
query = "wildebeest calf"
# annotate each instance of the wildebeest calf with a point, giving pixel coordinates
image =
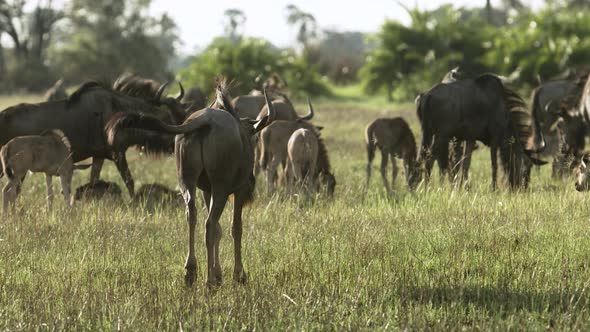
(97, 191)
(302, 155)
(49, 153)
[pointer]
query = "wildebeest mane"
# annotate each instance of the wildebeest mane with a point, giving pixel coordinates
(223, 97)
(323, 159)
(85, 87)
(138, 87)
(572, 102)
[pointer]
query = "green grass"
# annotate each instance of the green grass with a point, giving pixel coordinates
(437, 259)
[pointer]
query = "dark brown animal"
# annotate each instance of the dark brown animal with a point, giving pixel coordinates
(83, 116)
(154, 194)
(214, 152)
(99, 190)
(195, 98)
(395, 139)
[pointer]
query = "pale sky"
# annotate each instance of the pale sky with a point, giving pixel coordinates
(201, 20)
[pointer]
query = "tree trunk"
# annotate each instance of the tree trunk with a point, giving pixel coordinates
(489, 11)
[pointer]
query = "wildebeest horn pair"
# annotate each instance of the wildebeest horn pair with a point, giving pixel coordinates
(309, 116)
(164, 86)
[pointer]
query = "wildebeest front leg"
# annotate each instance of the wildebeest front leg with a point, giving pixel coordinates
(95, 170)
(469, 146)
(191, 218)
(10, 193)
(66, 184)
(212, 238)
(271, 174)
(49, 191)
(123, 169)
(236, 232)
(384, 157)
(394, 170)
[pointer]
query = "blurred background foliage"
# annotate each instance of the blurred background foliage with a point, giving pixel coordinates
(87, 39)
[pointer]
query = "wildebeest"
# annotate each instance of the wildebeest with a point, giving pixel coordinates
(56, 92)
(273, 151)
(152, 194)
(302, 155)
(214, 152)
(479, 109)
(195, 98)
(545, 103)
(286, 111)
(82, 118)
(583, 173)
(394, 138)
(48, 153)
(574, 123)
(96, 191)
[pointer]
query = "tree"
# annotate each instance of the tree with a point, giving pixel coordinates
(304, 22)
(235, 19)
(105, 38)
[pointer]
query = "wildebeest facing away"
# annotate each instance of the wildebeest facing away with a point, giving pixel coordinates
(302, 155)
(97, 191)
(479, 109)
(394, 138)
(48, 153)
(82, 118)
(273, 152)
(56, 92)
(214, 152)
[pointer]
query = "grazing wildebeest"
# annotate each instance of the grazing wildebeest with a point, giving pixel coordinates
(583, 173)
(545, 102)
(48, 153)
(152, 194)
(574, 122)
(82, 118)
(479, 109)
(98, 190)
(214, 152)
(195, 98)
(302, 155)
(394, 138)
(56, 92)
(273, 152)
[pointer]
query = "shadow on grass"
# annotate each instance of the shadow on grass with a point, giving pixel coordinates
(497, 300)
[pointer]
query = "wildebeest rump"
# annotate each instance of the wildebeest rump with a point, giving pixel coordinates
(214, 152)
(82, 118)
(479, 109)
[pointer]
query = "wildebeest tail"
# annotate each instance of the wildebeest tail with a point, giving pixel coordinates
(121, 121)
(426, 130)
(5, 167)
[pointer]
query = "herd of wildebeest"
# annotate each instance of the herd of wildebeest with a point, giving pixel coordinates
(221, 148)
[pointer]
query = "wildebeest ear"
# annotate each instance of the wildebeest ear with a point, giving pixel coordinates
(585, 160)
(260, 124)
(319, 128)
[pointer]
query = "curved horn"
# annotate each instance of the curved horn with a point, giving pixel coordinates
(271, 109)
(310, 115)
(161, 90)
(181, 94)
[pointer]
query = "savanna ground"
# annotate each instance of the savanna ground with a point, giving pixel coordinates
(437, 259)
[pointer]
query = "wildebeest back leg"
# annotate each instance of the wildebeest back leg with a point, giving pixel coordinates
(384, 157)
(271, 174)
(213, 236)
(441, 150)
(469, 146)
(123, 168)
(236, 232)
(457, 158)
(188, 193)
(49, 191)
(494, 158)
(207, 199)
(95, 170)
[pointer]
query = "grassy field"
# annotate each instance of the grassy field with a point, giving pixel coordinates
(439, 258)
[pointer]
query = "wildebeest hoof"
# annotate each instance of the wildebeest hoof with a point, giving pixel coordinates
(213, 283)
(189, 277)
(240, 277)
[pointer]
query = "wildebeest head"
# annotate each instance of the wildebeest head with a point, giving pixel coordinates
(328, 181)
(583, 174)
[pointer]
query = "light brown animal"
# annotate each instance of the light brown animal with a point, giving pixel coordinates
(302, 152)
(214, 152)
(394, 138)
(273, 152)
(286, 111)
(49, 153)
